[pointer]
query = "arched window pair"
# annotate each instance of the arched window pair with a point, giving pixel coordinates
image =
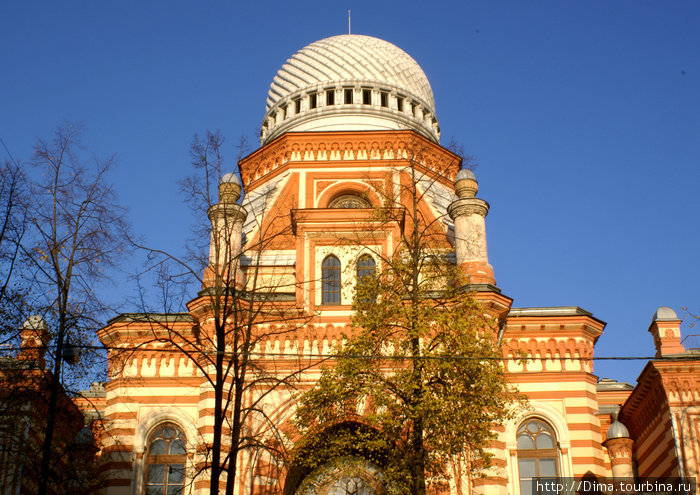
(330, 276)
(165, 461)
(537, 453)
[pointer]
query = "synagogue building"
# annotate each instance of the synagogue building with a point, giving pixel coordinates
(344, 118)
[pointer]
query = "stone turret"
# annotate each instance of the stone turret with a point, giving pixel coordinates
(227, 218)
(619, 445)
(666, 329)
(469, 214)
(34, 336)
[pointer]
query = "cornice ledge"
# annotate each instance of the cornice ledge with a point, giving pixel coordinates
(468, 206)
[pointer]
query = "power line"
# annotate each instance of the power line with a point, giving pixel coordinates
(680, 357)
(8, 152)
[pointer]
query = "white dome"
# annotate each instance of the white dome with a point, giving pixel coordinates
(665, 313)
(230, 178)
(617, 430)
(465, 173)
(388, 90)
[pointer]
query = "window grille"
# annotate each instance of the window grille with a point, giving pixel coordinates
(165, 461)
(330, 280)
(537, 453)
(349, 201)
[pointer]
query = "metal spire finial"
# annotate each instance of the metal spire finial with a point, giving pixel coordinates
(349, 21)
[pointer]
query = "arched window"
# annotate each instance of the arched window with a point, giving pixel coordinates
(365, 271)
(351, 485)
(349, 201)
(165, 461)
(344, 476)
(330, 280)
(537, 453)
(365, 267)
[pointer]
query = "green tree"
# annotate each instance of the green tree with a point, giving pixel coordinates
(421, 370)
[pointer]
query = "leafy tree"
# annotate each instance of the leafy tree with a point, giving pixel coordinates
(421, 370)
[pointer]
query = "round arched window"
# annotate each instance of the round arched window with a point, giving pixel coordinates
(349, 201)
(165, 461)
(351, 485)
(537, 453)
(344, 476)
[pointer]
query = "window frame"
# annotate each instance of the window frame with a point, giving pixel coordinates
(331, 280)
(364, 270)
(349, 201)
(348, 96)
(538, 454)
(400, 103)
(167, 460)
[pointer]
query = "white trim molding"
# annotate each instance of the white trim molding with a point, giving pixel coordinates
(557, 421)
(144, 430)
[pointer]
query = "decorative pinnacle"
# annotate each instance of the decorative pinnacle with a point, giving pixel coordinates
(229, 188)
(466, 185)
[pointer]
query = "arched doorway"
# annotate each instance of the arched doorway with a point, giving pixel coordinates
(344, 476)
(343, 459)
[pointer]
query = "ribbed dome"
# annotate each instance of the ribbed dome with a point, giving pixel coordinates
(617, 430)
(350, 57)
(388, 89)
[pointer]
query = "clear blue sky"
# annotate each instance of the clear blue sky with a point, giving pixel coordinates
(583, 115)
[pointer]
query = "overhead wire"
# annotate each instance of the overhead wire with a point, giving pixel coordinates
(327, 356)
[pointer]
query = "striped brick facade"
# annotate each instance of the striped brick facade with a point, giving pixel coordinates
(290, 184)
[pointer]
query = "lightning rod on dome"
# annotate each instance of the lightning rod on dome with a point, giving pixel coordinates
(348, 21)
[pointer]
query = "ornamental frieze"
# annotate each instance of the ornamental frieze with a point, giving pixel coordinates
(294, 147)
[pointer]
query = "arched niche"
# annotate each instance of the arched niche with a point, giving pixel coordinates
(143, 431)
(556, 421)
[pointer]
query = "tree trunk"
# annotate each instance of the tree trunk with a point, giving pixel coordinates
(218, 423)
(235, 437)
(418, 467)
(54, 387)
